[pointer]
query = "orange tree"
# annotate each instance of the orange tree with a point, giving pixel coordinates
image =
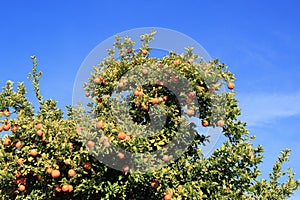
(111, 148)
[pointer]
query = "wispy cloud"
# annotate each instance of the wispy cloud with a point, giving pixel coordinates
(263, 108)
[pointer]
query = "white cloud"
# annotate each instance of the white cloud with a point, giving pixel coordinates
(263, 108)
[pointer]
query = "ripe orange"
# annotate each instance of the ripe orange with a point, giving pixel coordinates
(190, 112)
(230, 85)
(7, 142)
(205, 123)
(97, 80)
(177, 62)
(87, 94)
(21, 188)
(49, 170)
(20, 161)
(39, 133)
(14, 128)
(65, 188)
(71, 146)
(87, 166)
(165, 98)
(251, 156)
(58, 189)
(70, 188)
(39, 126)
(71, 172)
(144, 51)
(220, 123)
(100, 124)
(168, 197)
(154, 184)
(18, 174)
(6, 113)
(90, 144)
(67, 162)
(179, 188)
(33, 152)
(18, 144)
(6, 126)
(125, 168)
(138, 93)
(55, 173)
(122, 136)
(155, 101)
(145, 107)
(1, 128)
(121, 155)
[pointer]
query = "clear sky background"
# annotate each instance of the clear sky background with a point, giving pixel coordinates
(258, 40)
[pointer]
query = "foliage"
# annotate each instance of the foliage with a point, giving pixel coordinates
(46, 155)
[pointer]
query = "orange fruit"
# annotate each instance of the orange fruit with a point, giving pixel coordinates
(39, 126)
(205, 123)
(67, 162)
(220, 123)
(97, 80)
(49, 170)
(122, 136)
(230, 85)
(100, 124)
(155, 101)
(70, 188)
(6, 113)
(168, 197)
(177, 62)
(39, 133)
(145, 107)
(90, 144)
(7, 142)
(125, 168)
(20, 161)
(121, 155)
(14, 128)
(55, 173)
(65, 188)
(58, 189)
(71, 172)
(87, 166)
(21, 188)
(144, 51)
(190, 112)
(18, 144)
(179, 188)
(33, 152)
(18, 174)
(1, 128)
(6, 126)
(154, 184)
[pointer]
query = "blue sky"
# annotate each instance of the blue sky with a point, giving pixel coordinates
(258, 40)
